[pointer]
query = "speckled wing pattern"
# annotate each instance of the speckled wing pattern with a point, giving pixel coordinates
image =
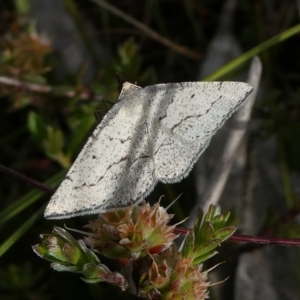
(152, 134)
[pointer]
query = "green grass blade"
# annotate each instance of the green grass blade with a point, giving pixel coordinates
(234, 64)
(22, 229)
(28, 199)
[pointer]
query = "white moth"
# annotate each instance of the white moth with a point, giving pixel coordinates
(151, 134)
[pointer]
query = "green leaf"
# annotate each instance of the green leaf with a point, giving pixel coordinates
(201, 259)
(73, 253)
(64, 268)
(209, 213)
(34, 78)
(55, 141)
(86, 124)
(115, 250)
(217, 221)
(37, 127)
(189, 243)
(41, 251)
(224, 233)
(208, 247)
(91, 273)
(216, 211)
(54, 147)
(91, 256)
(198, 221)
(56, 252)
(204, 234)
(226, 216)
(64, 234)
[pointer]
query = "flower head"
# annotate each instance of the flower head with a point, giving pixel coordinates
(132, 232)
(172, 276)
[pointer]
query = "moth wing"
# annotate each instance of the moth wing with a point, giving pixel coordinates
(174, 157)
(106, 174)
(195, 110)
(185, 116)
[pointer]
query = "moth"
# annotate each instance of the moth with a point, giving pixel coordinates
(151, 134)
